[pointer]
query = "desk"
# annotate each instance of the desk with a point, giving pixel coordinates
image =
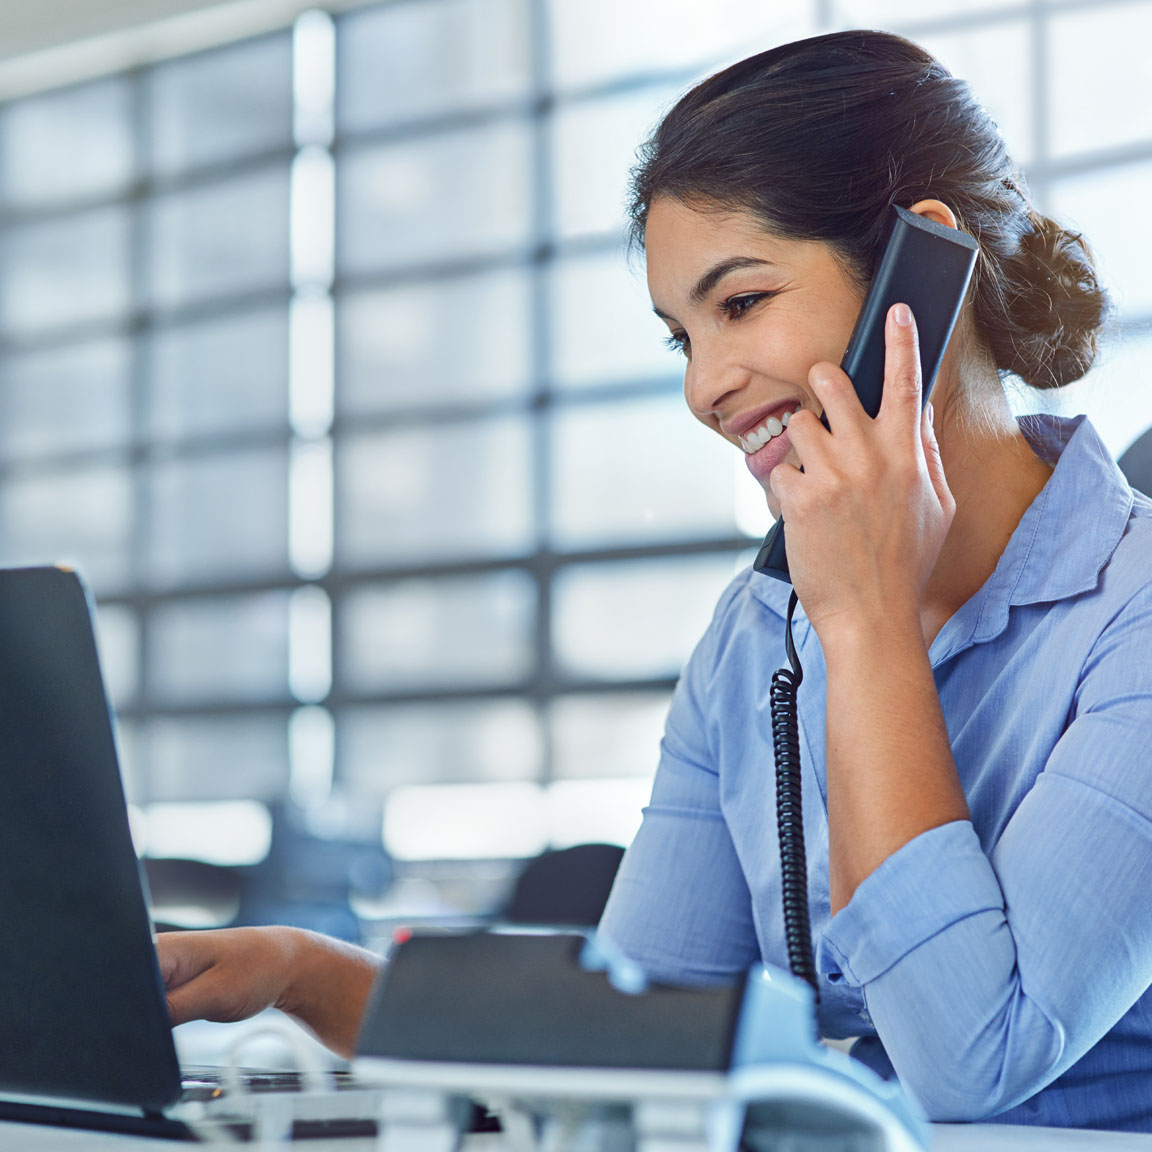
(946, 1138)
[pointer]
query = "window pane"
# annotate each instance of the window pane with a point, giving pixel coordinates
(417, 633)
(224, 238)
(379, 748)
(66, 145)
(65, 271)
(221, 376)
(599, 40)
(997, 62)
(880, 13)
(118, 631)
(450, 196)
(603, 327)
(465, 822)
(455, 490)
(219, 516)
(223, 105)
(220, 649)
(658, 475)
(597, 736)
(595, 811)
(393, 353)
(595, 147)
(1115, 394)
(230, 833)
(635, 619)
(131, 764)
(1098, 94)
(1121, 240)
(81, 518)
(65, 399)
(215, 758)
(408, 60)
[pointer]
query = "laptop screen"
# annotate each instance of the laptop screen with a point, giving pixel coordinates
(82, 1008)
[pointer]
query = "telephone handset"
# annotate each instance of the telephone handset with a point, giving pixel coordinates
(926, 266)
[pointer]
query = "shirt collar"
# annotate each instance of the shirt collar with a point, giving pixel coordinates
(1069, 531)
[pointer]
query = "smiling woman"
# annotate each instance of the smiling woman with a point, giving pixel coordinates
(975, 603)
(793, 297)
(973, 592)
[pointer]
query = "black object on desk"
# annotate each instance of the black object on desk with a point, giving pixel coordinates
(491, 998)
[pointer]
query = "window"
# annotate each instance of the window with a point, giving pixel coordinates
(335, 381)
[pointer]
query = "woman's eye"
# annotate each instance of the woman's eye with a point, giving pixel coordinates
(735, 306)
(678, 342)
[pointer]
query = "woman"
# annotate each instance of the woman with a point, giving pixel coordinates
(977, 700)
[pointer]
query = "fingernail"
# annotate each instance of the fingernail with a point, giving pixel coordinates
(902, 314)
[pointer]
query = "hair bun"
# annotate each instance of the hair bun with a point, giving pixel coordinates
(1055, 308)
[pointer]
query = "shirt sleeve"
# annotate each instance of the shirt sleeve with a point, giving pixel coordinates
(988, 976)
(680, 906)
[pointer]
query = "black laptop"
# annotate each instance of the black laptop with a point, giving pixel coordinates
(87, 1040)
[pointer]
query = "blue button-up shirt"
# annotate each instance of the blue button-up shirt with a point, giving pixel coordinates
(1000, 965)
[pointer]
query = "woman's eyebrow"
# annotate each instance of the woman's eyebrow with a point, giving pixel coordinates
(717, 273)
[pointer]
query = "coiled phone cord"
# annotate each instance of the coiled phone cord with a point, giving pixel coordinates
(790, 811)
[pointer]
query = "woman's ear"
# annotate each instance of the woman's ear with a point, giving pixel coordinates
(935, 210)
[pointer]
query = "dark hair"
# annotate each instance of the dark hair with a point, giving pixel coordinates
(819, 137)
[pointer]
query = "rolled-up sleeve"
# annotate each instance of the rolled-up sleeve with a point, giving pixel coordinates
(988, 975)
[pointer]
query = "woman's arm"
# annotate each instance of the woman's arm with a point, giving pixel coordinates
(890, 770)
(234, 973)
(990, 970)
(866, 521)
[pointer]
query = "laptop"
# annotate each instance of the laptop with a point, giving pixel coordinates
(87, 1039)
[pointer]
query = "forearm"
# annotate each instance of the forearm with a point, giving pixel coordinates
(329, 988)
(890, 773)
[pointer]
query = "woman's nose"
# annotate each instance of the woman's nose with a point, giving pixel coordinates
(710, 380)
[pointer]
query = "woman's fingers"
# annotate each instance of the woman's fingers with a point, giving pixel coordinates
(901, 402)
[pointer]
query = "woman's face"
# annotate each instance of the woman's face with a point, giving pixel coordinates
(752, 313)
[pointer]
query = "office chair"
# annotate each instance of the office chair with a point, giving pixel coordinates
(564, 888)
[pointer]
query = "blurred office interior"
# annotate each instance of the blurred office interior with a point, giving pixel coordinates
(322, 359)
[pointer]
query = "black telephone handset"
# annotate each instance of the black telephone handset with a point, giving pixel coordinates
(926, 266)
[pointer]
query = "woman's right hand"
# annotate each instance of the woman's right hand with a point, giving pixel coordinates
(233, 973)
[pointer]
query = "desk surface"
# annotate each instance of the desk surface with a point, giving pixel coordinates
(946, 1138)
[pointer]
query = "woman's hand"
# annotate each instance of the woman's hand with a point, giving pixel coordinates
(868, 515)
(234, 973)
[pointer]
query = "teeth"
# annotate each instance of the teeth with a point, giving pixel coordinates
(754, 440)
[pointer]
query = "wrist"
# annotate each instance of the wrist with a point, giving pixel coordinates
(294, 946)
(857, 637)
(327, 985)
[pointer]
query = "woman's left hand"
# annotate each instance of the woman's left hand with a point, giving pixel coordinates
(868, 514)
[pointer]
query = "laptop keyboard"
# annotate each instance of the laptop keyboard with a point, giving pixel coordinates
(207, 1082)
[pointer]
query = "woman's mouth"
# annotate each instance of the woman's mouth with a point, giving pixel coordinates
(766, 445)
(755, 439)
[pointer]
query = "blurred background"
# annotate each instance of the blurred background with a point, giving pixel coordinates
(321, 357)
